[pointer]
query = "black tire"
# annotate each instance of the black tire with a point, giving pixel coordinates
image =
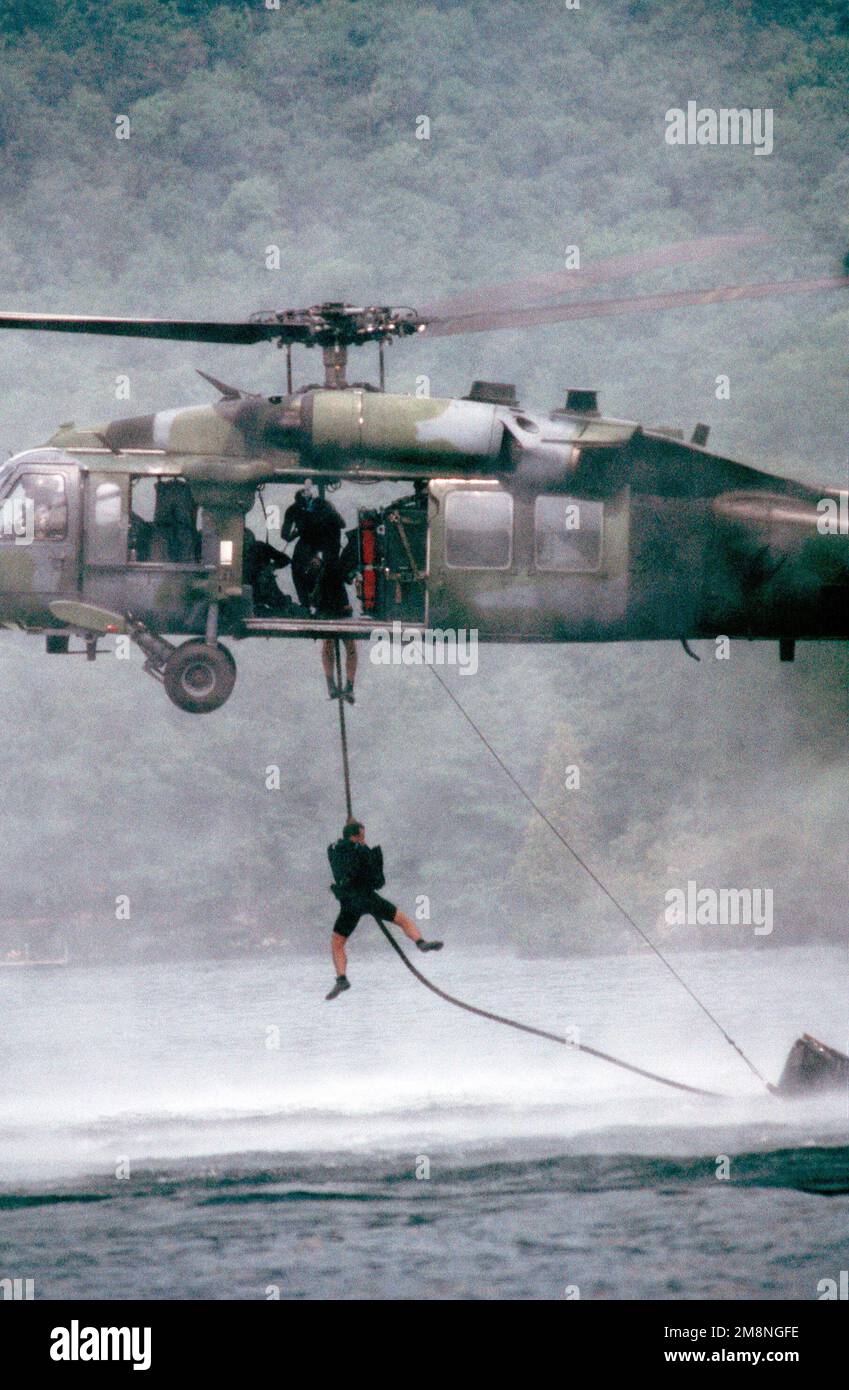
(199, 678)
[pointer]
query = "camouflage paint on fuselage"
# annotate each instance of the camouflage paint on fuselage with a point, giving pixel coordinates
(694, 544)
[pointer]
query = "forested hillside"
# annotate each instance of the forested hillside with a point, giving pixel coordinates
(252, 128)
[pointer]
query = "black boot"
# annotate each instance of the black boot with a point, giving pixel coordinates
(348, 692)
(429, 945)
(333, 691)
(342, 983)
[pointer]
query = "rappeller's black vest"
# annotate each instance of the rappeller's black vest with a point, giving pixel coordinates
(356, 868)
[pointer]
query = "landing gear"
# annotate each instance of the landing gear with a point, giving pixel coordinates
(199, 677)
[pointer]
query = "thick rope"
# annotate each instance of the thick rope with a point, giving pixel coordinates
(537, 1032)
(595, 878)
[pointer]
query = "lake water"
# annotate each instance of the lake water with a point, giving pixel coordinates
(216, 1130)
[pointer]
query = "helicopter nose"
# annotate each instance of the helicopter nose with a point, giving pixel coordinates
(787, 552)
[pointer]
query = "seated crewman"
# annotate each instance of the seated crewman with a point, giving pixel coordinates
(175, 521)
(261, 560)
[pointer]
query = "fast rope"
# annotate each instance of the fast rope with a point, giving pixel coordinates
(537, 1032)
(608, 894)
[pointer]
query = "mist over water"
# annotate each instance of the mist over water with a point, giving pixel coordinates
(247, 1166)
(162, 1063)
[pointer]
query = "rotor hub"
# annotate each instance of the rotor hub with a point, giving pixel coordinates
(333, 324)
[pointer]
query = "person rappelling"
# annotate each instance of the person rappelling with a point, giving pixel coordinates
(358, 874)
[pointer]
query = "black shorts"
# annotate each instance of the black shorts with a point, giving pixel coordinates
(359, 905)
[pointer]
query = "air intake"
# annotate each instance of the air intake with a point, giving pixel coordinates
(581, 402)
(493, 392)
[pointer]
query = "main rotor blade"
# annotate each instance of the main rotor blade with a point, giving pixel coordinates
(639, 304)
(181, 330)
(539, 288)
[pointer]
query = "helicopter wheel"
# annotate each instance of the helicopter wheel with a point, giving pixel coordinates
(199, 678)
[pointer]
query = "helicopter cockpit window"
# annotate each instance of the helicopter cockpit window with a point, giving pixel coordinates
(568, 533)
(478, 530)
(41, 501)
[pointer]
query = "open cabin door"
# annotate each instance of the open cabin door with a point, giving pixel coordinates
(382, 570)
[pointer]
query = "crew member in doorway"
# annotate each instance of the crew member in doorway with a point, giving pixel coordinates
(358, 874)
(318, 528)
(261, 560)
(320, 569)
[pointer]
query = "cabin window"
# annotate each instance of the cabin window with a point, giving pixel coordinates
(163, 522)
(478, 530)
(568, 533)
(105, 520)
(37, 506)
(107, 504)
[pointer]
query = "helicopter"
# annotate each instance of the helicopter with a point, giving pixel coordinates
(520, 525)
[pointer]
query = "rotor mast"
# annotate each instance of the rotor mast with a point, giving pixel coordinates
(335, 327)
(335, 359)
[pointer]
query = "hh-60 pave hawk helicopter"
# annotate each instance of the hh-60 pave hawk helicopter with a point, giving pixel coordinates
(525, 526)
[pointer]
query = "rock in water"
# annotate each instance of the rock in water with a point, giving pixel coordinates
(812, 1066)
